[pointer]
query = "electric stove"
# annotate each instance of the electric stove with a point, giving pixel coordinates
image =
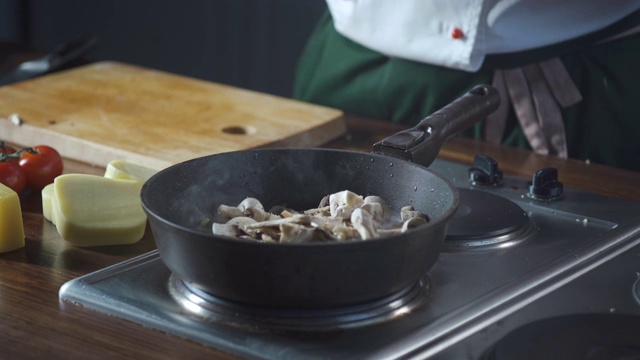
(519, 252)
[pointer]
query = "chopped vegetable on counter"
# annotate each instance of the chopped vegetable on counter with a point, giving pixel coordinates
(98, 211)
(91, 210)
(47, 203)
(11, 226)
(121, 169)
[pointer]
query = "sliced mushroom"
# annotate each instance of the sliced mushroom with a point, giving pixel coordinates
(380, 210)
(363, 222)
(324, 202)
(295, 219)
(409, 212)
(267, 232)
(241, 221)
(295, 233)
(256, 214)
(225, 230)
(343, 203)
(326, 223)
(268, 239)
(374, 209)
(253, 208)
(413, 223)
(340, 216)
(250, 203)
(321, 211)
(271, 216)
(344, 233)
(229, 212)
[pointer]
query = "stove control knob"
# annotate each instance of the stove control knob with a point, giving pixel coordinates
(485, 171)
(545, 185)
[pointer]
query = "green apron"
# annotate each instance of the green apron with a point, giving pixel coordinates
(603, 128)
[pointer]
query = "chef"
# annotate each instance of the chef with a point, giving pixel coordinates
(567, 70)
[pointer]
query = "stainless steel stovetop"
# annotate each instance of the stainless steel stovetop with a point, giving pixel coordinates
(478, 291)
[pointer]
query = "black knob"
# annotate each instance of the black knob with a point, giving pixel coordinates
(545, 185)
(485, 171)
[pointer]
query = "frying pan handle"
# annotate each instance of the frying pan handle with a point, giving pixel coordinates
(421, 144)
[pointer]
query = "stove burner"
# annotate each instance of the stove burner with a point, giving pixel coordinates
(580, 336)
(255, 318)
(486, 221)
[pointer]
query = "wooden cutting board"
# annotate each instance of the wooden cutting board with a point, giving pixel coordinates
(109, 110)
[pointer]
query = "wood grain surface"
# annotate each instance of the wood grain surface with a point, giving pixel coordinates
(109, 110)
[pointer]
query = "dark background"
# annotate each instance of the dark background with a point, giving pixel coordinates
(252, 44)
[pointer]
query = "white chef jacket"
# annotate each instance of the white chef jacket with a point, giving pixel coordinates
(459, 34)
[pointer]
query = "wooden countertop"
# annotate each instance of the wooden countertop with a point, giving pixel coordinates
(34, 324)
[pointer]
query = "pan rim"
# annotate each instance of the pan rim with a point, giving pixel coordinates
(192, 231)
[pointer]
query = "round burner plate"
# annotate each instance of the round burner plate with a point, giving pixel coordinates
(485, 220)
(254, 318)
(578, 336)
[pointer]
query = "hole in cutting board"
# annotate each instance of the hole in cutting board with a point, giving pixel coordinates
(239, 130)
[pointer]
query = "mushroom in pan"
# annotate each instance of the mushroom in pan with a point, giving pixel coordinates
(378, 208)
(249, 207)
(341, 216)
(225, 230)
(241, 221)
(326, 223)
(253, 208)
(413, 223)
(344, 202)
(229, 212)
(295, 233)
(344, 233)
(408, 212)
(363, 222)
(297, 219)
(232, 227)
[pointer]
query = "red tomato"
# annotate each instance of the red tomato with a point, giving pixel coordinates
(41, 166)
(12, 175)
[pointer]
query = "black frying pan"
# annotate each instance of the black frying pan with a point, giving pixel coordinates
(308, 275)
